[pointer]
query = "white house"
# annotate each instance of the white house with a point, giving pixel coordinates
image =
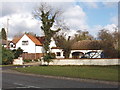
(28, 43)
(31, 45)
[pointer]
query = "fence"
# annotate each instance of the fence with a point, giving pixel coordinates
(32, 55)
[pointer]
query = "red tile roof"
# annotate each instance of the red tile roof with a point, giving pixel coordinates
(16, 39)
(41, 39)
(33, 38)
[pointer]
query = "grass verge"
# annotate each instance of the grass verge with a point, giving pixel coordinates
(109, 73)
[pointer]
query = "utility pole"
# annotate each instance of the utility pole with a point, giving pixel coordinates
(7, 32)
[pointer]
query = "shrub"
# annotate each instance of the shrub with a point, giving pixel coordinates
(7, 56)
(36, 60)
(17, 52)
(48, 58)
(27, 60)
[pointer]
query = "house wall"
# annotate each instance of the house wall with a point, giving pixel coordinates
(58, 50)
(30, 48)
(84, 62)
(39, 49)
(52, 43)
(12, 44)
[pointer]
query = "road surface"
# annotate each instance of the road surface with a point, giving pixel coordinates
(17, 80)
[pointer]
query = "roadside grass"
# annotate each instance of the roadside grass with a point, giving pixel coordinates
(109, 73)
(5, 65)
(8, 65)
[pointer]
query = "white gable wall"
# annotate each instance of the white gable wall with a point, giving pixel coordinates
(31, 47)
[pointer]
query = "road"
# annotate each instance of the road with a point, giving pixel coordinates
(17, 80)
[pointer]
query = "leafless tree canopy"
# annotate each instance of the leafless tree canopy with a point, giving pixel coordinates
(45, 7)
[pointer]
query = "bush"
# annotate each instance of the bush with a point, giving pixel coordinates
(36, 60)
(17, 52)
(48, 58)
(7, 56)
(27, 60)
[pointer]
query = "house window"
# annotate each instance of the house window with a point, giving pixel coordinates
(12, 45)
(24, 42)
(63, 53)
(58, 54)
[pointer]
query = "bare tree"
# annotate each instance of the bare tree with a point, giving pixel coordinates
(83, 35)
(48, 16)
(109, 43)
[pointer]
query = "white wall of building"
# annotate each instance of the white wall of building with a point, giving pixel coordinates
(84, 62)
(39, 49)
(52, 43)
(58, 50)
(31, 47)
(12, 45)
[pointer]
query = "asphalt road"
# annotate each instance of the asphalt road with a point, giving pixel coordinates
(13, 80)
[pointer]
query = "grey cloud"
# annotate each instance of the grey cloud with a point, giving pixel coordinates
(9, 8)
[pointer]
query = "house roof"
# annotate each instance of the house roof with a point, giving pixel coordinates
(41, 39)
(34, 39)
(87, 45)
(16, 39)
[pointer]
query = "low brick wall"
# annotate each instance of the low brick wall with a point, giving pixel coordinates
(84, 62)
(32, 55)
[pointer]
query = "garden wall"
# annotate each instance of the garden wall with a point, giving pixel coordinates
(84, 62)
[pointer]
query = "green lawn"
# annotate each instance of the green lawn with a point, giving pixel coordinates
(91, 72)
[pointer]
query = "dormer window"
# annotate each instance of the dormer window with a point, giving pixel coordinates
(24, 42)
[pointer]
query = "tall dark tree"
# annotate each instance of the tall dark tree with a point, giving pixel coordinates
(3, 33)
(47, 16)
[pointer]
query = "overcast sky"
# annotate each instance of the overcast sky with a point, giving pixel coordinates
(91, 16)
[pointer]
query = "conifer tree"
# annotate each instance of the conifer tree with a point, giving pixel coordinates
(3, 33)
